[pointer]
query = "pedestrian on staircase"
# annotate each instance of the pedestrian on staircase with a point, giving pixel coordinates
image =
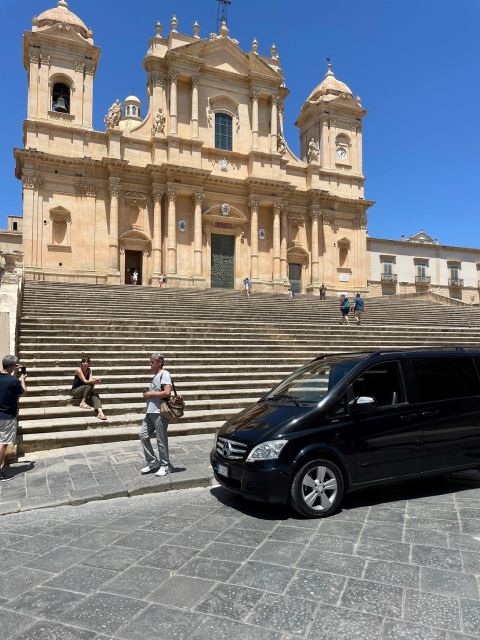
(154, 421)
(358, 308)
(11, 388)
(323, 292)
(83, 388)
(344, 308)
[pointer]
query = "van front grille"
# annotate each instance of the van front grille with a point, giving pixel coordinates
(231, 448)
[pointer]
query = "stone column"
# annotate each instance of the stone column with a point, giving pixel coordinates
(45, 89)
(283, 243)
(173, 102)
(157, 194)
(172, 232)
(329, 262)
(255, 119)
(114, 189)
(195, 107)
(197, 238)
(315, 215)
(253, 204)
(33, 85)
(274, 125)
(277, 208)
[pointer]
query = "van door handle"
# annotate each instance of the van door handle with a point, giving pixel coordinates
(409, 416)
(433, 412)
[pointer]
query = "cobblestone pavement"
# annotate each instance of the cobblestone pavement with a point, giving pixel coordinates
(202, 564)
(101, 471)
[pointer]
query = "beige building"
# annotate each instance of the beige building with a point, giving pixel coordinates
(199, 183)
(420, 263)
(11, 255)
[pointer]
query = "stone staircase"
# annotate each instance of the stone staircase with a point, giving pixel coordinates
(224, 350)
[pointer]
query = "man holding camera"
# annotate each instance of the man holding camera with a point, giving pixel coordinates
(11, 388)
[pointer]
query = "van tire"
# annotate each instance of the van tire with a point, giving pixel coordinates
(317, 489)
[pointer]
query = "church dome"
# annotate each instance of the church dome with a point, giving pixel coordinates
(62, 14)
(329, 85)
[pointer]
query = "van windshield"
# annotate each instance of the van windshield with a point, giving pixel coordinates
(310, 384)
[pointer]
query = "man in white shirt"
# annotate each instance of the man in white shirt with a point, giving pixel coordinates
(154, 422)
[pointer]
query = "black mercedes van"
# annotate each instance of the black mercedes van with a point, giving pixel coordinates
(347, 421)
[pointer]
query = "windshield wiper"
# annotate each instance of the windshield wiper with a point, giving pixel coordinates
(285, 396)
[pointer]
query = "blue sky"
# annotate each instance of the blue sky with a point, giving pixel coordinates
(415, 63)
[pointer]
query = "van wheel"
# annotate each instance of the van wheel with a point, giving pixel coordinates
(317, 489)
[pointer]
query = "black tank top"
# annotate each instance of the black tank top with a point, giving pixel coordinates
(77, 382)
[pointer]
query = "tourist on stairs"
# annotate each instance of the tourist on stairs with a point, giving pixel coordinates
(83, 388)
(11, 388)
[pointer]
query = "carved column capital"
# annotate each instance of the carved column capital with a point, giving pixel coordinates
(34, 58)
(79, 66)
(315, 212)
(90, 69)
(278, 207)
(255, 95)
(328, 217)
(44, 59)
(362, 221)
(85, 189)
(173, 75)
(195, 81)
(275, 100)
(171, 195)
(198, 198)
(157, 194)
(32, 182)
(157, 79)
(114, 187)
(253, 204)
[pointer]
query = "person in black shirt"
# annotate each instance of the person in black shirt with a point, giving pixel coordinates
(11, 388)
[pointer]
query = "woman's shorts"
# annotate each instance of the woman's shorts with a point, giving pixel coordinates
(8, 431)
(344, 312)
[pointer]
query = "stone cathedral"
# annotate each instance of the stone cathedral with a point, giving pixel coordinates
(199, 183)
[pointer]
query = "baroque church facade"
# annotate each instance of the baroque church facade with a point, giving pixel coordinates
(203, 188)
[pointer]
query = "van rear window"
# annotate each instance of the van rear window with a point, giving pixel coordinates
(444, 378)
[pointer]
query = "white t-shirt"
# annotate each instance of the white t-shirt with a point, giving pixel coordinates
(162, 378)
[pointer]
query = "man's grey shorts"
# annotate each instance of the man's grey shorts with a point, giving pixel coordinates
(8, 431)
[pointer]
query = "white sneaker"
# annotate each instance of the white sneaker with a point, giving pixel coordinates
(146, 470)
(162, 471)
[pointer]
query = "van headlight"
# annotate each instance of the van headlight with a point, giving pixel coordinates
(267, 450)
(215, 436)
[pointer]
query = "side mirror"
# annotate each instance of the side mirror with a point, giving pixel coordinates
(362, 403)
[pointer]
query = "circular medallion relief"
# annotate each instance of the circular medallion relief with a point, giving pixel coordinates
(182, 226)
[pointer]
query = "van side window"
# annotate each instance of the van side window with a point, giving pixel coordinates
(381, 382)
(444, 378)
(340, 408)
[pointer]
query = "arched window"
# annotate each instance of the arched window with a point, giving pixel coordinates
(61, 97)
(223, 131)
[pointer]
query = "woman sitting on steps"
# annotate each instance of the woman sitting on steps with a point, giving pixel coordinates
(83, 389)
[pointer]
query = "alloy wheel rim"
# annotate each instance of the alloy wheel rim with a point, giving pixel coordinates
(319, 488)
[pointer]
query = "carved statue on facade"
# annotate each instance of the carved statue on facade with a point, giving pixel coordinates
(159, 122)
(281, 146)
(313, 153)
(113, 115)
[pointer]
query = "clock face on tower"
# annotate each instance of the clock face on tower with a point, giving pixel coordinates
(341, 153)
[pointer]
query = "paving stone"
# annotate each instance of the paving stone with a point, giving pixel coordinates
(136, 582)
(43, 602)
(383, 514)
(332, 543)
(96, 539)
(126, 524)
(193, 538)
(230, 601)
(13, 583)
(47, 630)
(276, 552)
(141, 539)
(41, 544)
(81, 579)
(169, 557)
(320, 587)
(14, 558)
(59, 559)
(382, 530)
(471, 562)
(267, 577)
(209, 568)
(341, 528)
(12, 622)
(335, 623)
(283, 613)
(168, 524)
(161, 622)
(436, 557)
(180, 591)
(222, 551)
(370, 597)
(432, 610)
(233, 630)
(471, 526)
(471, 616)
(394, 573)
(435, 524)
(463, 541)
(383, 550)
(103, 612)
(453, 583)
(247, 537)
(444, 514)
(344, 565)
(291, 534)
(116, 558)
(395, 630)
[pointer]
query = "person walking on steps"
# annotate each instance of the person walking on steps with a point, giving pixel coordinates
(154, 421)
(323, 292)
(83, 388)
(344, 309)
(247, 286)
(358, 308)
(11, 388)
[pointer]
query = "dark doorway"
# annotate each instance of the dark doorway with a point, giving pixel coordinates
(133, 262)
(295, 277)
(223, 250)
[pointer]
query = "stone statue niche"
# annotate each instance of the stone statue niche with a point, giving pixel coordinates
(135, 211)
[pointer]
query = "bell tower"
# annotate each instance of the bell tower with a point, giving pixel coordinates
(61, 62)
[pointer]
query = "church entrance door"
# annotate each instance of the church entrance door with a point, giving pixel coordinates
(133, 262)
(295, 277)
(223, 250)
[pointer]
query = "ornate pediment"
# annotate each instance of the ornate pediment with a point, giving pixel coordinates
(225, 213)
